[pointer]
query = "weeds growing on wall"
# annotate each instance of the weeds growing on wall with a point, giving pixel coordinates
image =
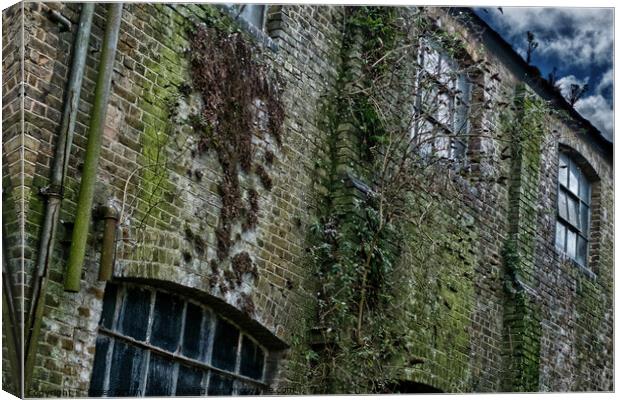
(372, 212)
(241, 101)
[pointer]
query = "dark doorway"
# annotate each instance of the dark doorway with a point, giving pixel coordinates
(412, 387)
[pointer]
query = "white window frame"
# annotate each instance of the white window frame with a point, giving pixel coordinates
(441, 112)
(573, 223)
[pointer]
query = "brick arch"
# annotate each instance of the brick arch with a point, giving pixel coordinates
(588, 169)
(199, 293)
(593, 176)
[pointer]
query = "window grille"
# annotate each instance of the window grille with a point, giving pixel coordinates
(155, 343)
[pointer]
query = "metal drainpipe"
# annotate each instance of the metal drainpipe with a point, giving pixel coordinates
(55, 189)
(13, 325)
(93, 148)
(106, 264)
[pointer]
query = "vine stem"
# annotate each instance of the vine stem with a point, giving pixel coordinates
(360, 314)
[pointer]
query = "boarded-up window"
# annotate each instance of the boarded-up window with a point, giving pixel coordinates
(155, 343)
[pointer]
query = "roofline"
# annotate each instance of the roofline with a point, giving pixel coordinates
(531, 76)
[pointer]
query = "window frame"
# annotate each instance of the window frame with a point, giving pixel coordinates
(458, 128)
(241, 8)
(177, 358)
(583, 204)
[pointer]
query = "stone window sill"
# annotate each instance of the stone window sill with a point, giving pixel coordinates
(565, 258)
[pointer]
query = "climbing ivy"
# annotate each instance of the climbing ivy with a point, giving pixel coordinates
(365, 240)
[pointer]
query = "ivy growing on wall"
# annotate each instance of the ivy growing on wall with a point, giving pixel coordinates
(378, 199)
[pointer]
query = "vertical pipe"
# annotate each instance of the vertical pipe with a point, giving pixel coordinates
(89, 172)
(55, 188)
(12, 325)
(106, 264)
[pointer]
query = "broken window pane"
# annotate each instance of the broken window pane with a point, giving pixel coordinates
(189, 382)
(252, 359)
(167, 320)
(225, 345)
(194, 341)
(159, 380)
(136, 308)
(126, 370)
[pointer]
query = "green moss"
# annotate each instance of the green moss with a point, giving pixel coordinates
(522, 330)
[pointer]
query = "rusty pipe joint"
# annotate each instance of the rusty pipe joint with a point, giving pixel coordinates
(110, 216)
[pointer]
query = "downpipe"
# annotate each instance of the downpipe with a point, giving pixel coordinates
(54, 191)
(87, 186)
(12, 323)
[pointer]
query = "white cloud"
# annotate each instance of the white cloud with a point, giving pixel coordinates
(575, 36)
(599, 112)
(595, 108)
(565, 83)
(607, 81)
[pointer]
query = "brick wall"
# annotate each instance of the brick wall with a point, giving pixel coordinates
(13, 185)
(466, 323)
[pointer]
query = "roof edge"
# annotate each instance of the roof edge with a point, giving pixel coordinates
(531, 76)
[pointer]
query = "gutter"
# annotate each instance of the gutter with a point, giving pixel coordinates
(73, 272)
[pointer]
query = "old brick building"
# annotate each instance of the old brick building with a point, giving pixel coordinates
(234, 192)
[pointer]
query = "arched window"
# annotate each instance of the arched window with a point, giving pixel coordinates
(155, 343)
(573, 216)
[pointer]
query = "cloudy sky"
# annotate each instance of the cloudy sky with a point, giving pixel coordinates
(576, 41)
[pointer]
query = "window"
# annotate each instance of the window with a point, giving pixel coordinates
(573, 220)
(155, 343)
(442, 104)
(254, 14)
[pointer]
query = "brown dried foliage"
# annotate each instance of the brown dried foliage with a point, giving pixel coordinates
(232, 82)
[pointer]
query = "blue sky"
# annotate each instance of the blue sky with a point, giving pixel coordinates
(577, 41)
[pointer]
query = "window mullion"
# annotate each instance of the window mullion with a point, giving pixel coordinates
(183, 323)
(209, 349)
(175, 371)
(238, 360)
(108, 362)
(147, 362)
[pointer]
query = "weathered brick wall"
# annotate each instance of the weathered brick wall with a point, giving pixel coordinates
(463, 317)
(151, 65)
(13, 187)
(577, 304)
